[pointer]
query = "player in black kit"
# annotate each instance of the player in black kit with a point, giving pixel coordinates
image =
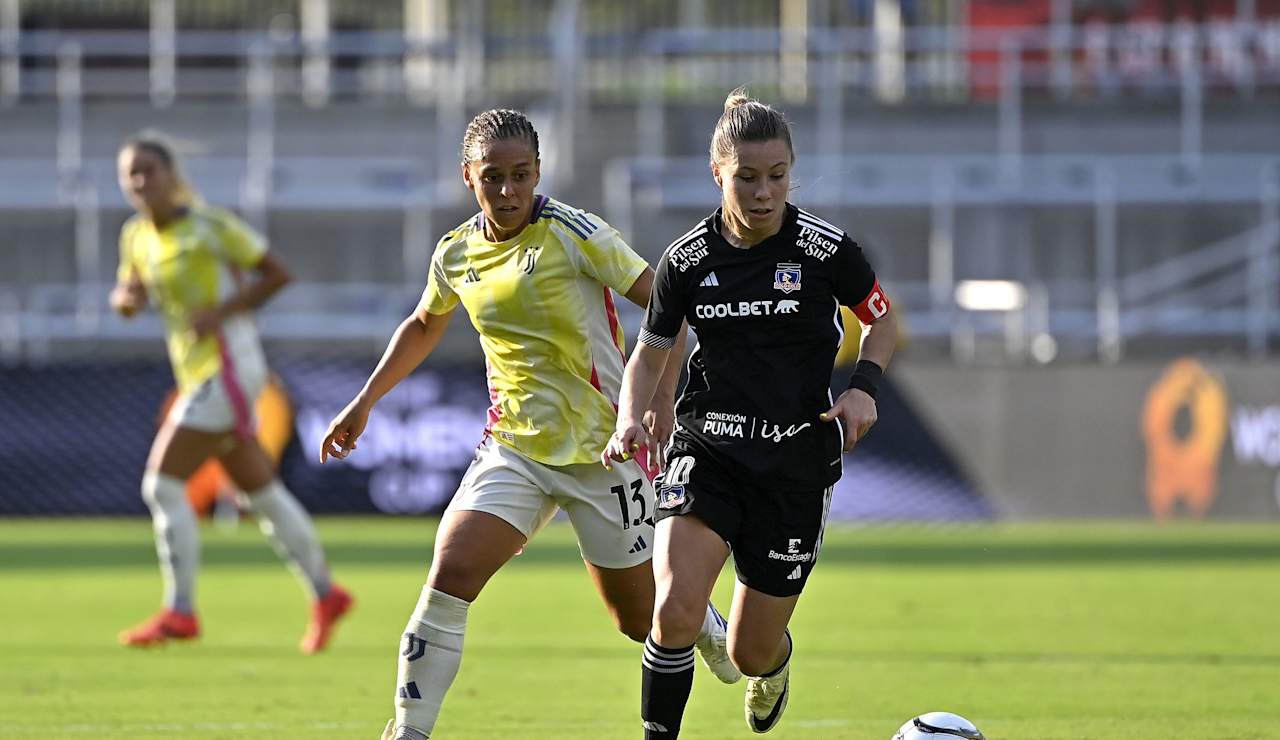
(759, 438)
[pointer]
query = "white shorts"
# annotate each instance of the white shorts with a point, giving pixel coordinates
(611, 510)
(224, 402)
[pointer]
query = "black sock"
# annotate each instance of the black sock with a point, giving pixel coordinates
(666, 679)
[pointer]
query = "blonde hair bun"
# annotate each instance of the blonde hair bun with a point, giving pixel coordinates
(736, 98)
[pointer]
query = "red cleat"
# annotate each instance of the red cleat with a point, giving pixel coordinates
(325, 613)
(164, 626)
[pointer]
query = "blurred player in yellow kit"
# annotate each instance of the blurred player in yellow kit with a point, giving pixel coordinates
(191, 262)
(536, 277)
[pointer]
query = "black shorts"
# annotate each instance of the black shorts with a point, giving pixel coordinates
(775, 533)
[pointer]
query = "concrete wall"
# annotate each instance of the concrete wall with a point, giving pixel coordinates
(1187, 439)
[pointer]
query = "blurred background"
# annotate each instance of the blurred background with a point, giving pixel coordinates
(1074, 204)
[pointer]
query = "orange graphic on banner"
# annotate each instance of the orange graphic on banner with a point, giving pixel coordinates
(1184, 423)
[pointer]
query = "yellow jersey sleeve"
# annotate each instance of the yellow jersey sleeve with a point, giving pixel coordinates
(240, 244)
(127, 267)
(607, 257)
(439, 297)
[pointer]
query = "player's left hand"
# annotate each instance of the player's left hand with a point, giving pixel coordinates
(857, 411)
(206, 322)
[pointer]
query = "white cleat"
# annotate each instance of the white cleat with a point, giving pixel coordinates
(713, 648)
(391, 732)
(767, 697)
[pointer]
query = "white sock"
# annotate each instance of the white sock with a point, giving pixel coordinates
(708, 623)
(177, 538)
(289, 526)
(429, 658)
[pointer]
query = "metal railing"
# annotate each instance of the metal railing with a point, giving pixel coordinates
(948, 63)
(831, 68)
(826, 69)
(1228, 288)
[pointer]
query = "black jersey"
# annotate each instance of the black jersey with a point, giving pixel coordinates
(768, 325)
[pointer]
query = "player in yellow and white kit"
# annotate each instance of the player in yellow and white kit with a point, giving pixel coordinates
(189, 260)
(537, 278)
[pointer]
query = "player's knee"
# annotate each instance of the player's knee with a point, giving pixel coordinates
(634, 626)
(157, 489)
(456, 579)
(148, 490)
(676, 623)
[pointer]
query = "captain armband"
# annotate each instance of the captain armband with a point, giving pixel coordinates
(875, 305)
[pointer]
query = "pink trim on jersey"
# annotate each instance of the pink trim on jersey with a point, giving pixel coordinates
(642, 457)
(615, 329)
(615, 326)
(494, 414)
(239, 404)
(642, 454)
(611, 312)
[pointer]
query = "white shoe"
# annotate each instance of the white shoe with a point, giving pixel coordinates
(767, 697)
(405, 733)
(713, 648)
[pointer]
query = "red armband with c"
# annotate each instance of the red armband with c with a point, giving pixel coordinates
(875, 305)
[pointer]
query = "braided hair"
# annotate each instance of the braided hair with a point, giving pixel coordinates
(496, 125)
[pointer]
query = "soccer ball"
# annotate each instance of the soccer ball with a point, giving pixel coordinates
(937, 726)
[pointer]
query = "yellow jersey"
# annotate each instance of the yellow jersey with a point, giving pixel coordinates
(194, 263)
(553, 345)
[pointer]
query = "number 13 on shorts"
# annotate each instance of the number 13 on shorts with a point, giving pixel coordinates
(638, 496)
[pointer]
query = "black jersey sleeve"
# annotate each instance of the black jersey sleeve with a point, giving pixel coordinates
(668, 303)
(853, 279)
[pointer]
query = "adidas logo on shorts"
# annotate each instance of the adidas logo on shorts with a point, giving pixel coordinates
(795, 574)
(639, 546)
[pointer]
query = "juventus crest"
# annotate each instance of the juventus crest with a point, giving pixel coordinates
(529, 258)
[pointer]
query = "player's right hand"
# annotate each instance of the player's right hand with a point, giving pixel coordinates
(857, 411)
(128, 298)
(624, 444)
(344, 430)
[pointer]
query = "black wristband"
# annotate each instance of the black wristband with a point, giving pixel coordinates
(866, 377)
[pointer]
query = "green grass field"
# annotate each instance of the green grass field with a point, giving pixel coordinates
(1040, 632)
